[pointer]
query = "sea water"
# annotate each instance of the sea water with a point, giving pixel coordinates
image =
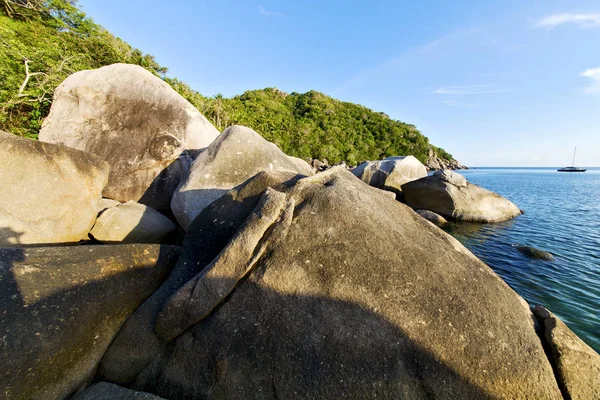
(562, 216)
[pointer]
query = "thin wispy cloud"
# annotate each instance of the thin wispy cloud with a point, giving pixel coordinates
(452, 36)
(454, 103)
(270, 13)
(469, 89)
(594, 75)
(404, 61)
(581, 20)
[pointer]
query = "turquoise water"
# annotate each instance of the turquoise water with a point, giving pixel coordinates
(562, 216)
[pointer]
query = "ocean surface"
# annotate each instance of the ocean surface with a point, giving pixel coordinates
(562, 216)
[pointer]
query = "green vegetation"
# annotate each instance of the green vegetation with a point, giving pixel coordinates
(443, 154)
(44, 41)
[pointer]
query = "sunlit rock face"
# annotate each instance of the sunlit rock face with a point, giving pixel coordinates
(331, 289)
(577, 364)
(135, 121)
(131, 222)
(238, 154)
(391, 173)
(449, 194)
(48, 193)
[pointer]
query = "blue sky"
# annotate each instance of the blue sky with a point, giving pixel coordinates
(495, 83)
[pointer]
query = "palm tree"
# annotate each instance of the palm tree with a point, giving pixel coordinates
(218, 104)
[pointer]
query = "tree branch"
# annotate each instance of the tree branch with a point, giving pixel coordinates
(27, 76)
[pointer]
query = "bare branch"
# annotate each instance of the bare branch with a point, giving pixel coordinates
(27, 76)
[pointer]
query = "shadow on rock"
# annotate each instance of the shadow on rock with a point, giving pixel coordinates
(272, 345)
(62, 306)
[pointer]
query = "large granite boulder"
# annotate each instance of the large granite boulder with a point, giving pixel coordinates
(577, 364)
(238, 154)
(450, 195)
(131, 222)
(390, 173)
(61, 307)
(137, 344)
(48, 193)
(299, 304)
(134, 120)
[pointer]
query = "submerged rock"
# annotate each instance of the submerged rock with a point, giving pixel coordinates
(238, 154)
(110, 391)
(450, 195)
(316, 312)
(48, 193)
(390, 173)
(576, 363)
(432, 217)
(535, 253)
(61, 307)
(135, 121)
(131, 222)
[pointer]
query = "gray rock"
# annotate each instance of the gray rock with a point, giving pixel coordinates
(451, 177)
(450, 195)
(135, 121)
(303, 167)
(390, 173)
(432, 217)
(109, 391)
(131, 222)
(323, 313)
(137, 344)
(576, 363)
(268, 222)
(535, 253)
(238, 154)
(60, 308)
(48, 193)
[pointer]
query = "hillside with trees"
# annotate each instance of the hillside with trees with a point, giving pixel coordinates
(44, 41)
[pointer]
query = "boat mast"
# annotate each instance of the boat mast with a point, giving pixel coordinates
(574, 151)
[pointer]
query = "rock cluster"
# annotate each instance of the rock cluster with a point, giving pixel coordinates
(390, 173)
(236, 155)
(450, 195)
(135, 121)
(287, 284)
(435, 162)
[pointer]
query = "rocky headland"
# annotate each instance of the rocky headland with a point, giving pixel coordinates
(435, 162)
(146, 255)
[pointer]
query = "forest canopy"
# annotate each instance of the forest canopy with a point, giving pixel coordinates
(44, 41)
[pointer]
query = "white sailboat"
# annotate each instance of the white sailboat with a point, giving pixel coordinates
(572, 168)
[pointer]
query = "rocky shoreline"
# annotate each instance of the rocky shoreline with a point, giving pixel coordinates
(435, 162)
(144, 254)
